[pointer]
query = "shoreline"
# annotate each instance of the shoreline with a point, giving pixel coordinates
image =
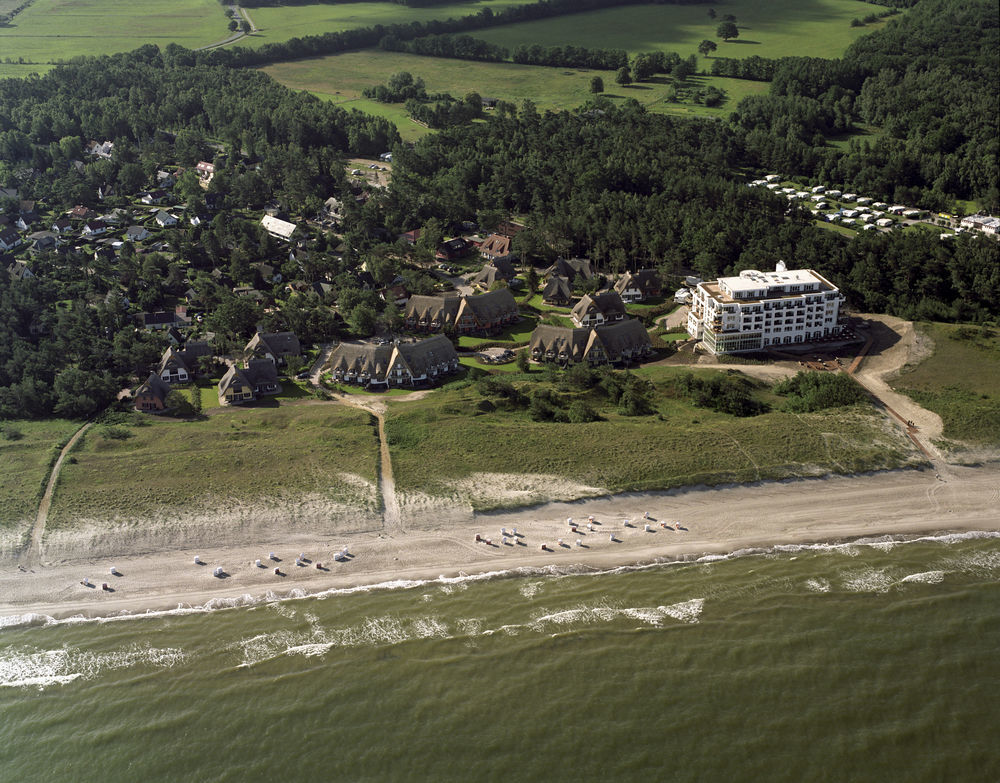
(715, 521)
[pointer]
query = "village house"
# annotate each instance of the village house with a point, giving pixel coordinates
(620, 343)
(43, 242)
(276, 347)
(404, 364)
(496, 246)
(639, 286)
(576, 270)
(483, 313)
(239, 385)
(164, 320)
(165, 219)
(136, 233)
(9, 239)
(62, 226)
(452, 250)
(180, 365)
(18, 270)
(205, 170)
(277, 228)
(93, 228)
(410, 237)
(497, 270)
(151, 396)
(596, 309)
(557, 291)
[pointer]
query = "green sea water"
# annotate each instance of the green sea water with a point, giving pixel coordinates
(873, 661)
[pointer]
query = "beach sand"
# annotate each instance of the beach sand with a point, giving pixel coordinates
(422, 546)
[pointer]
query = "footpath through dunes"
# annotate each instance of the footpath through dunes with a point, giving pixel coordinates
(33, 554)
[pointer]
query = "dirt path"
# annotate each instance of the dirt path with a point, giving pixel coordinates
(236, 35)
(33, 554)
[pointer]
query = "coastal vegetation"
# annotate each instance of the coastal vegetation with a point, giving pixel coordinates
(674, 444)
(960, 381)
(27, 451)
(233, 457)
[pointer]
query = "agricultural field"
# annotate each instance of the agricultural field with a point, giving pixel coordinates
(342, 78)
(960, 381)
(27, 449)
(234, 455)
(679, 446)
(779, 28)
(53, 30)
(284, 22)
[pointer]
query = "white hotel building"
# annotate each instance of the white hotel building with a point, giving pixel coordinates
(760, 309)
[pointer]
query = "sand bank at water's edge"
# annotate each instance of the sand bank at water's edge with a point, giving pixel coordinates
(718, 520)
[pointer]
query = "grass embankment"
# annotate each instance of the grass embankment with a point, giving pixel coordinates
(960, 381)
(26, 461)
(441, 440)
(51, 30)
(240, 455)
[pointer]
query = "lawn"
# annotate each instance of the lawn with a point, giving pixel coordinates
(52, 30)
(778, 28)
(960, 381)
(680, 446)
(519, 332)
(283, 22)
(238, 455)
(26, 462)
(408, 129)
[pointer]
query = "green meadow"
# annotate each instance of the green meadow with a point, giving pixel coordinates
(284, 22)
(680, 445)
(240, 454)
(960, 381)
(778, 28)
(52, 30)
(27, 450)
(342, 78)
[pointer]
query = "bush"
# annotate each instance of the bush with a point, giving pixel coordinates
(732, 394)
(813, 391)
(580, 413)
(115, 433)
(10, 432)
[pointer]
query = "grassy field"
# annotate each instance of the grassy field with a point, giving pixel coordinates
(51, 30)
(519, 332)
(26, 465)
(284, 22)
(960, 381)
(243, 454)
(342, 78)
(680, 446)
(778, 28)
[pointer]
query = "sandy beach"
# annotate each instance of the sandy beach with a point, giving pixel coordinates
(712, 520)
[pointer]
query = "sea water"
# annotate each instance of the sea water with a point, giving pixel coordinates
(870, 661)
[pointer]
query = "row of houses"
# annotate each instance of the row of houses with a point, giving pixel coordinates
(484, 313)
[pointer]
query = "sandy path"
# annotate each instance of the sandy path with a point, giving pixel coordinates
(33, 554)
(716, 520)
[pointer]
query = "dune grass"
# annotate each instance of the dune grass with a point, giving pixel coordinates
(26, 461)
(242, 455)
(52, 30)
(960, 381)
(680, 445)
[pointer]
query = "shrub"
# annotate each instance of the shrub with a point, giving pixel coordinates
(10, 432)
(115, 433)
(813, 391)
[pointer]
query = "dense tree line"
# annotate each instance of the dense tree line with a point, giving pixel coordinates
(571, 57)
(369, 37)
(927, 81)
(461, 47)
